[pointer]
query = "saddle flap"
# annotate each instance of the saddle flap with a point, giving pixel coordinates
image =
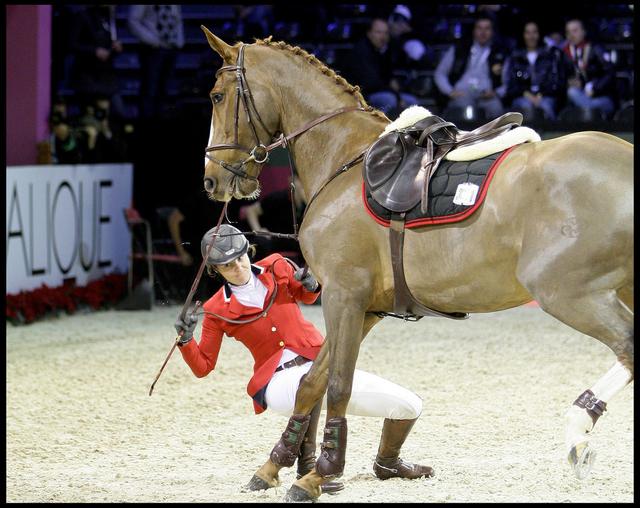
(382, 159)
(392, 171)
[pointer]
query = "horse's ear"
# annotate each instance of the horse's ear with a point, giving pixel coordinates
(219, 46)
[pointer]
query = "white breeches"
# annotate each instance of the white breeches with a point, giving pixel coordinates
(371, 395)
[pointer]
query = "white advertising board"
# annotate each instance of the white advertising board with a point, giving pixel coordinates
(66, 221)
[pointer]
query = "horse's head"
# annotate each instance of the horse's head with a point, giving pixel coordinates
(243, 124)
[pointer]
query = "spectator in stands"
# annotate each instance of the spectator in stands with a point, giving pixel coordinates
(161, 33)
(592, 85)
(503, 16)
(110, 140)
(369, 64)
(68, 144)
(535, 76)
(554, 39)
(274, 213)
(94, 42)
(408, 50)
(470, 72)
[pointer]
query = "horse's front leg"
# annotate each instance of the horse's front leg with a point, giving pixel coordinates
(344, 319)
(300, 426)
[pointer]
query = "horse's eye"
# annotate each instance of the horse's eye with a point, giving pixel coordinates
(216, 97)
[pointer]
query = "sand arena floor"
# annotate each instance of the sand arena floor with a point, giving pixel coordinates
(82, 428)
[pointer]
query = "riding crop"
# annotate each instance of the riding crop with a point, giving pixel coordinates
(187, 302)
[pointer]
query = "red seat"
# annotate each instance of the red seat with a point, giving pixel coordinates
(134, 219)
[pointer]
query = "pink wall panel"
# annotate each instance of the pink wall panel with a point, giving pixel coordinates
(28, 76)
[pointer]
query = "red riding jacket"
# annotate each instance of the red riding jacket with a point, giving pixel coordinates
(282, 326)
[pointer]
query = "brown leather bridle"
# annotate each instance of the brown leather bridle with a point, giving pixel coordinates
(260, 152)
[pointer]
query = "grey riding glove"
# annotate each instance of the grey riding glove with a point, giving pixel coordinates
(187, 325)
(309, 282)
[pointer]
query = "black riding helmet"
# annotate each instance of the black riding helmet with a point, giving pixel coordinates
(225, 248)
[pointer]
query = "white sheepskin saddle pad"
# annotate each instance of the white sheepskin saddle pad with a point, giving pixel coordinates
(505, 140)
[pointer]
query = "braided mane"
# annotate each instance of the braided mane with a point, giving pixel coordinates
(313, 60)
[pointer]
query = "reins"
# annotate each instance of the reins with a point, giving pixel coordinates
(194, 287)
(294, 235)
(260, 154)
(264, 311)
(339, 171)
(192, 292)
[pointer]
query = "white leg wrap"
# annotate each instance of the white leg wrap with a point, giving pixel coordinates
(612, 382)
(579, 423)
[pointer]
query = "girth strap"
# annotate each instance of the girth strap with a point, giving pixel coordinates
(404, 303)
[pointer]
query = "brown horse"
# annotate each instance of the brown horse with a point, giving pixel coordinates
(556, 226)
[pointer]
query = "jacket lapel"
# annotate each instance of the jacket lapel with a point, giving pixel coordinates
(267, 279)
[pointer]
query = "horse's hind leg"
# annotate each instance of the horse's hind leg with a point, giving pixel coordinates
(604, 316)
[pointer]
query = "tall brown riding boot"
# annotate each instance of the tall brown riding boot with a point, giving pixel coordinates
(307, 455)
(388, 464)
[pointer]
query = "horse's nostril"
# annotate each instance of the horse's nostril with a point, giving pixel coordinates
(209, 184)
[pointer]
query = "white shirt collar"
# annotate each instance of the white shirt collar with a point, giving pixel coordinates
(226, 288)
(251, 294)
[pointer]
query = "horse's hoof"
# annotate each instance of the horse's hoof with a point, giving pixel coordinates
(298, 495)
(582, 457)
(257, 483)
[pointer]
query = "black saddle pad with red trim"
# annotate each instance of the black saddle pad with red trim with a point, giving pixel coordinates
(456, 190)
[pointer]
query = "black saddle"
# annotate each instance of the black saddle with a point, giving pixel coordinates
(398, 166)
